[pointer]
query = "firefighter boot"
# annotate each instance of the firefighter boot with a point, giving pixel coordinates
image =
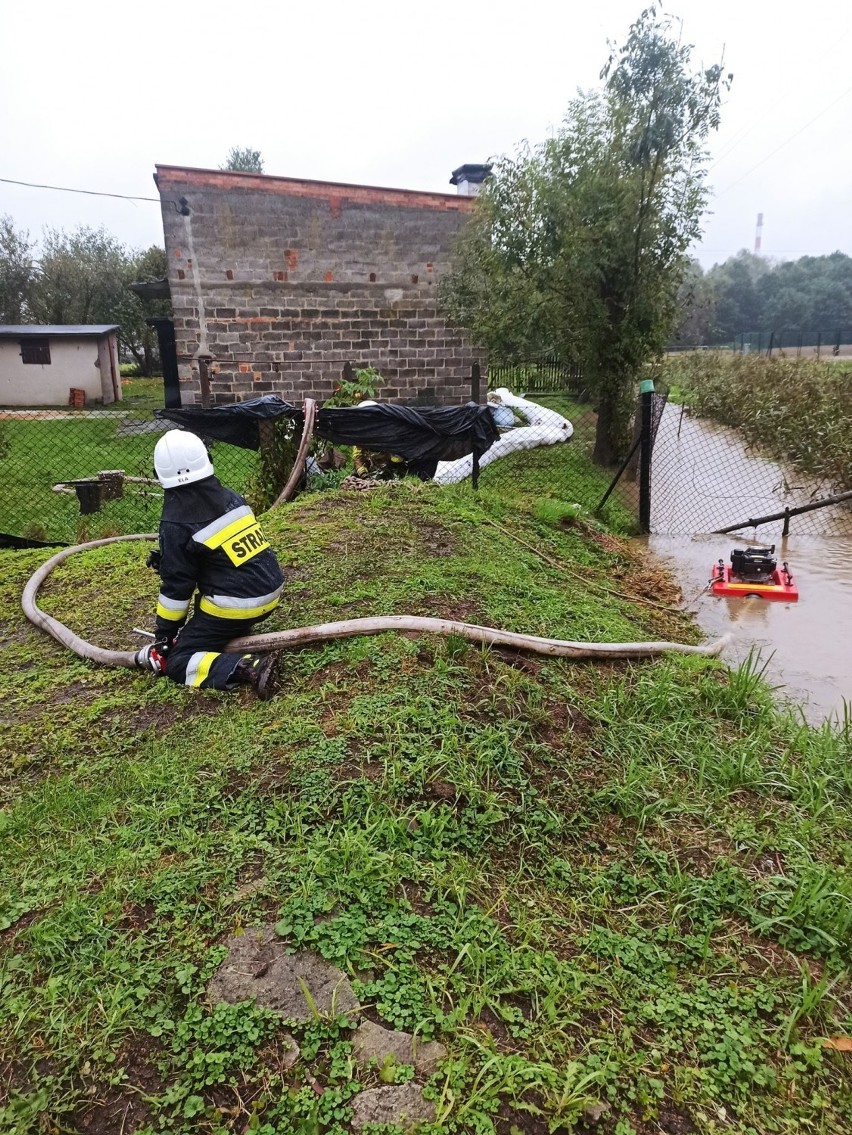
(258, 672)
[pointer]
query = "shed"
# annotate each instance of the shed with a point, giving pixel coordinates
(41, 364)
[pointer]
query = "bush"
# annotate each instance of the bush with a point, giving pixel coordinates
(797, 409)
(129, 370)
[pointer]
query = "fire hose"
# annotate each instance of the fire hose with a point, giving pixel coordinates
(297, 637)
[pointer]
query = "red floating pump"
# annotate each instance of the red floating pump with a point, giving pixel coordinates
(753, 573)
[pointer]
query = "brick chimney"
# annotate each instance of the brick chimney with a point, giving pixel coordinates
(468, 179)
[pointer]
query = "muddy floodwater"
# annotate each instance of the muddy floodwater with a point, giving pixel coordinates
(811, 639)
(709, 479)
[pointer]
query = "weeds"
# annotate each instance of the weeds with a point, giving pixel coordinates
(797, 409)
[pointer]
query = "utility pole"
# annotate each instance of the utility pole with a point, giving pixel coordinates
(758, 233)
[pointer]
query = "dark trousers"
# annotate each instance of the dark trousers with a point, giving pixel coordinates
(197, 657)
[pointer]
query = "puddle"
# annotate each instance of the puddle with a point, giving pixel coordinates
(704, 478)
(811, 639)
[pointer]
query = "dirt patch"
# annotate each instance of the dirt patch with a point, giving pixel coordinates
(136, 916)
(607, 543)
(511, 1122)
(436, 541)
(414, 896)
(162, 716)
(122, 1108)
(519, 661)
(454, 609)
(671, 1120)
(440, 790)
(490, 1022)
(298, 986)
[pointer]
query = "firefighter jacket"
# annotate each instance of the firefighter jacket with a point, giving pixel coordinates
(211, 541)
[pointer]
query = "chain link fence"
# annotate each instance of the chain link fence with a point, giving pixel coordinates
(830, 342)
(71, 475)
(755, 439)
(707, 478)
(79, 474)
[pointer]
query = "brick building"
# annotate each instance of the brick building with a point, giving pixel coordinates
(277, 283)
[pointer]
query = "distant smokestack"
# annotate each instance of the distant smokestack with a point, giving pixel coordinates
(758, 233)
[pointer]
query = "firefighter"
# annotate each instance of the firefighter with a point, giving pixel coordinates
(210, 543)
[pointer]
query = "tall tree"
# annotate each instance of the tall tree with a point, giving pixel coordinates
(736, 288)
(85, 276)
(580, 244)
(139, 339)
(17, 269)
(245, 159)
(696, 307)
(811, 294)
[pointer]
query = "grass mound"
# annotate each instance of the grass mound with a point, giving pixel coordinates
(620, 895)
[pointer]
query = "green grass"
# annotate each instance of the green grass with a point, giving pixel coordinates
(40, 454)
(563, 473)
(620, 891)
(142, 391)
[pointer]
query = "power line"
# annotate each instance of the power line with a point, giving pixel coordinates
(743, 133)
(67, 189)
(786, 142)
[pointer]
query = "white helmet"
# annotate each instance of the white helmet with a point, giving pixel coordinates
(181, 458)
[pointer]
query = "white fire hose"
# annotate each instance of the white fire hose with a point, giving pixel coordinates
(348, 628)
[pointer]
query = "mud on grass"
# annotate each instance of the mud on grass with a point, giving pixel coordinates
(547, 865)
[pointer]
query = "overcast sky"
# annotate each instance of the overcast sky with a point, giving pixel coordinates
(93, 94)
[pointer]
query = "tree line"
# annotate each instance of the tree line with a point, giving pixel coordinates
(748, 293)
(82, 276)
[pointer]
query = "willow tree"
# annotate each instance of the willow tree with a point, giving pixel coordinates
(578, 246)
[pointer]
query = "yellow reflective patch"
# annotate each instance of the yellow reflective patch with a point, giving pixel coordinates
(224, 533)
(237, 612)
(168, 613)
(204, 668)
(245, 545)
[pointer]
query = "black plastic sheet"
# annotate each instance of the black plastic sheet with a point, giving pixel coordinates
(238, 424)
(443, 433)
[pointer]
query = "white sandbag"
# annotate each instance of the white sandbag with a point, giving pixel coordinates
(546, 428)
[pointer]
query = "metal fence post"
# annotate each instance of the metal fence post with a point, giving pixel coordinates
(475, 379)
(646, 393)
(204, 362)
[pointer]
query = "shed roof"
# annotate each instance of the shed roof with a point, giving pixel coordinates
(44, 330)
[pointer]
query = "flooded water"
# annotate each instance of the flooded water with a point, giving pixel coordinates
(811, 639)
(705, 479)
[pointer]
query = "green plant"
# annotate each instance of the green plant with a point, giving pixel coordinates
(365, 384)
(793, 409)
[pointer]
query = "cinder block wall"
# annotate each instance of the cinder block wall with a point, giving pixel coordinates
(282, 282)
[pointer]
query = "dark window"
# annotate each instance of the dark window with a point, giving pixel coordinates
(35, 351)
